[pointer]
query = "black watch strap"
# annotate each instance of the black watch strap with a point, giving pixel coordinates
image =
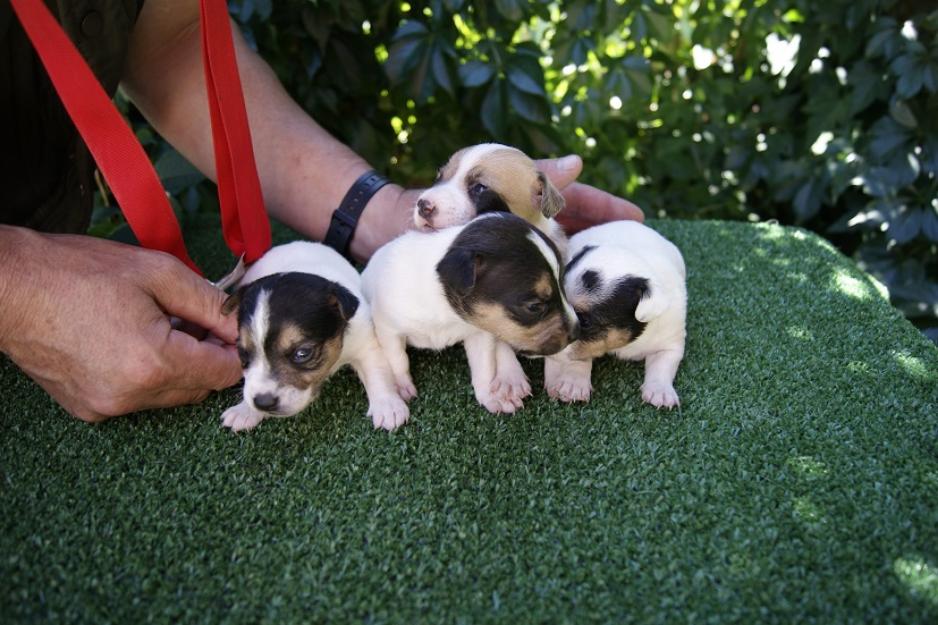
(345, 218)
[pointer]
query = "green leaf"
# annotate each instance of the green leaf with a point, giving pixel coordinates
(175, 172)
(581, 48)
(510, 9)
(638, 71)
(475, 73)
(441, 70)
(524, 82)
(910, 69)
(906, 225)
(865, 81)
(930, 224)
(901, 112)
(807, 201)
(887, 137)
(619, 85)
(929, 157)
(530, 107)
(493, 111)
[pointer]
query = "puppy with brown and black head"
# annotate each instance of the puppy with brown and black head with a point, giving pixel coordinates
(493, 285)
(301, 317)
(627, 284)
(486, 178)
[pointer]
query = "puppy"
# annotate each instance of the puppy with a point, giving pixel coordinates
(301, 317)
(627, 284)
(493, 284)
(490, 177)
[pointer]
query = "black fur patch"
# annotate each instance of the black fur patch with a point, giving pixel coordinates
(616, 310)
(487, 201)
(318, 308)
(591, 280)
(493, 261)
(579, 256)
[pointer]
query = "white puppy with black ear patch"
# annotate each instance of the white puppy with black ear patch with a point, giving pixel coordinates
(301, 317)
(490, 177)
(627, 284)
(493, 285)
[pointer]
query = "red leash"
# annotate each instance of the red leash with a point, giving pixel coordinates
(122, 160)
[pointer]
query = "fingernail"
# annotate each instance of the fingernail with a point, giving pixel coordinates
(568, 162)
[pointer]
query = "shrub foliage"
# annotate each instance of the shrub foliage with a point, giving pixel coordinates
(820, 114)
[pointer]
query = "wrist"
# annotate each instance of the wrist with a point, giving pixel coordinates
(387, 215)
(17, 245)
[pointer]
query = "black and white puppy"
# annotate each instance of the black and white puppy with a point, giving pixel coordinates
(493, 284)
(302, 316)
(490, 177)
(627, 284)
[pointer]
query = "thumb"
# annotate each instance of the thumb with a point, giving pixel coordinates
(561, 171)
(182, 293)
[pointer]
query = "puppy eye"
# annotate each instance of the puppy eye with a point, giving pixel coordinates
(302, 354)
(477, 189)
(585, 319)
(536, 307)
(244, 357)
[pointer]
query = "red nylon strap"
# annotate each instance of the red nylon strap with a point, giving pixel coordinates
(122, 160)
(244, 219)
(112, 143)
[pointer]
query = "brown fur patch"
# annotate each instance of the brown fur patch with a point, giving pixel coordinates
(513, 176)
(547, 337)
(544, 287)
(610, 340)
(317, 370)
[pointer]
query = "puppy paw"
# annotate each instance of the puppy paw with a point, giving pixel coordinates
(511, 388)
(405, 387)
(569, 387)
(660, 394)
(497, 404)
(241, 417)
(389, 412)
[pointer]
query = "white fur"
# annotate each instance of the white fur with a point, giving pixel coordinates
(410, 308)
(360, 347)
(630, 248)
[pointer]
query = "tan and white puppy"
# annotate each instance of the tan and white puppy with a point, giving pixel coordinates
(490, 177)
(627, 284)
(493, 284)
(301, 317)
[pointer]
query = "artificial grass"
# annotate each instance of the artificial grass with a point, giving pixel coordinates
(798, 484)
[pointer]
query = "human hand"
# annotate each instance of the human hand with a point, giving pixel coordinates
(586, 205)
(88, 320)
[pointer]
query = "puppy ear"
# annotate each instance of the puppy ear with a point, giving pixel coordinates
(343, 301)
(550, 200)
(652, 304)
(459, 268)
(232, 301)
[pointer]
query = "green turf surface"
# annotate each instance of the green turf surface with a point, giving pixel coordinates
(798, 484)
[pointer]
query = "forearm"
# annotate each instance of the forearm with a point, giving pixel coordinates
(304, 171)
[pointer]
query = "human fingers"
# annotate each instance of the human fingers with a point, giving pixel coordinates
(587, 206)
(199, 365)
(561, 171)
(183, 294)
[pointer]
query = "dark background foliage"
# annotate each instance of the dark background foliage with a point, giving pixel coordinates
(683, 106)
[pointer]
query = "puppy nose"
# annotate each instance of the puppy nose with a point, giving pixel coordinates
(425, 209)
(266, 401)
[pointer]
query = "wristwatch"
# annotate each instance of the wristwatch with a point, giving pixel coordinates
(345, 217)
